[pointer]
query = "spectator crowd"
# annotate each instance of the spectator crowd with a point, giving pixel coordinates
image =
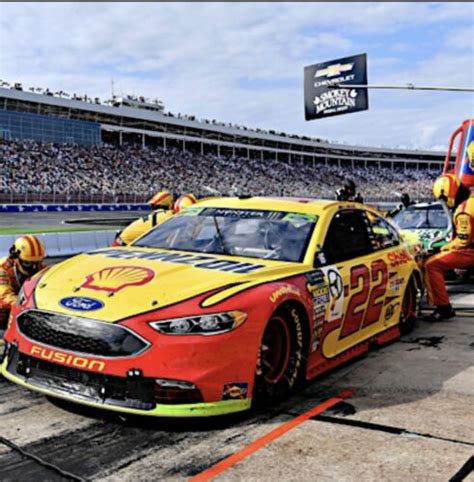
(32, 167)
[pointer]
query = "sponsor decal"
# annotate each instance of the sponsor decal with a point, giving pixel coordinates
(396, 284)
(65, 359)
(328, 87)
(335, 100)
(117, 278)
(336, 292)
(235, 391)
(398, 258)
(244, 213)
(284, 290)
(81, 303)
(319, 291)
(198, 261)
(390, 311)
(296, 218)
(334, 69)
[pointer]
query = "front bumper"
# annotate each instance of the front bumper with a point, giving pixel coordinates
(104, 392)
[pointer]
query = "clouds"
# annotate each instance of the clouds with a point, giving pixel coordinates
(243, 62)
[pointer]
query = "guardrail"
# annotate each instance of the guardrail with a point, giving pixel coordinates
(35, 208)
(64, 244)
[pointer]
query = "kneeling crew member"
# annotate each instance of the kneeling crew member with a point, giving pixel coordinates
(25, 259)
(457, 254)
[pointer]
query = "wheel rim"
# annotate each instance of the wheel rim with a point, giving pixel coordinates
(276, 347)
(408, 304)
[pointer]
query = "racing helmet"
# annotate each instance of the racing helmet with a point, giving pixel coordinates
(184, 201)
(446, 188)
(162, 199)
(28, 254)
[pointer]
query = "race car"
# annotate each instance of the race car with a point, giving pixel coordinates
(229, 303)
(429, 223)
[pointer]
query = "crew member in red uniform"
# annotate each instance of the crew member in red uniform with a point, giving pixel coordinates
(457, 254)
(25, 259)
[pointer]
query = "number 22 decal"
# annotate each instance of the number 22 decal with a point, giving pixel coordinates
(357, 316)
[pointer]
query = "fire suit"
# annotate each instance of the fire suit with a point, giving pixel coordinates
(11, 281)
(140, 226)
(457, 254)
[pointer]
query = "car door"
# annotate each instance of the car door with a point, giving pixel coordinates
(357, 274)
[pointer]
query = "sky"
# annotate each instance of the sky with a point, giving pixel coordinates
(243, 62)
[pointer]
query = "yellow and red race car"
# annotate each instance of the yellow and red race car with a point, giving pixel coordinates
(231, 302)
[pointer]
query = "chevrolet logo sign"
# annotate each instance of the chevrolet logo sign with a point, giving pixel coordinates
(334, 70)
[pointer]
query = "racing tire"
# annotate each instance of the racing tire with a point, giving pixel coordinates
(280, 358)
(409, 308)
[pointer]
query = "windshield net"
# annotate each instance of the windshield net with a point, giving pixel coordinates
(432, 217)
(237, 232)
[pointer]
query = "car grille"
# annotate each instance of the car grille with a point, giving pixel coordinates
(82, 385)
(79, 334)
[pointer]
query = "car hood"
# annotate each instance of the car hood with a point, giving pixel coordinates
(425, 236)
(114, 284)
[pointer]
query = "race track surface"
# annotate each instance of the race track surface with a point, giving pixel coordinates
(410, 418)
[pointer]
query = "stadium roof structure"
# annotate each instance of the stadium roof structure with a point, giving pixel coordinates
(143, 122)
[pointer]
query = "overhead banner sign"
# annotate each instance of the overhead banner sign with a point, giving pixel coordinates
(322, 99)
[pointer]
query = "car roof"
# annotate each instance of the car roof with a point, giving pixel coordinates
(290, 204)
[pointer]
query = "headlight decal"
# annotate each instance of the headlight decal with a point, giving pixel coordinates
(206, 324)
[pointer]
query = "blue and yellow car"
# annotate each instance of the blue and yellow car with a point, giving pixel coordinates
(231, 302)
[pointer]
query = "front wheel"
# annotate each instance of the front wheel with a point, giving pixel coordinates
(280, 359)
(409, 307)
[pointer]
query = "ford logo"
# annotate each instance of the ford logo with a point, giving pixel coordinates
(79, 303)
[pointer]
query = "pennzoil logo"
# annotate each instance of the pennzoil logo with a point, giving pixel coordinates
(65, 359)
(117, 278)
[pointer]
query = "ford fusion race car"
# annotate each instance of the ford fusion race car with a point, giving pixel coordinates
(228, 303)
(430, 223)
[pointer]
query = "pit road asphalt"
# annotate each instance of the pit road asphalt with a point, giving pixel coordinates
(411, 418)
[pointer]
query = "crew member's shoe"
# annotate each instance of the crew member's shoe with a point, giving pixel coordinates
(441, 313)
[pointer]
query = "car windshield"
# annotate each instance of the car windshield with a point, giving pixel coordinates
(426, 217)
(262, 234)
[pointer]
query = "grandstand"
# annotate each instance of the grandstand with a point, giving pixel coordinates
(124, 124)
(71, 149)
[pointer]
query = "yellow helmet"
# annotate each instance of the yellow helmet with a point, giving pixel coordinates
(28, 252)
(184, 201)
(446, 187)
(162, 199)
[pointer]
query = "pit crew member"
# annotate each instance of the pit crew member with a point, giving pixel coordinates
(161, 204)
(457, 254)
(25, 259)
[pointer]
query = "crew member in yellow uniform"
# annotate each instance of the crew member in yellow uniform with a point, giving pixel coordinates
(161, 204)
(163, 201)
(25, 259)
(457, 254)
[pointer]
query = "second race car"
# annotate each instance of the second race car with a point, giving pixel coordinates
(430, 223)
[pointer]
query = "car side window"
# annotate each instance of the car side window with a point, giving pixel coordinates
(382, 234)
(347, 237)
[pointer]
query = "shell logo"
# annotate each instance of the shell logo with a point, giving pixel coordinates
(117, 278)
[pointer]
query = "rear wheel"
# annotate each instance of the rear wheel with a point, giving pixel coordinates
(280, 360)
(409, 308)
